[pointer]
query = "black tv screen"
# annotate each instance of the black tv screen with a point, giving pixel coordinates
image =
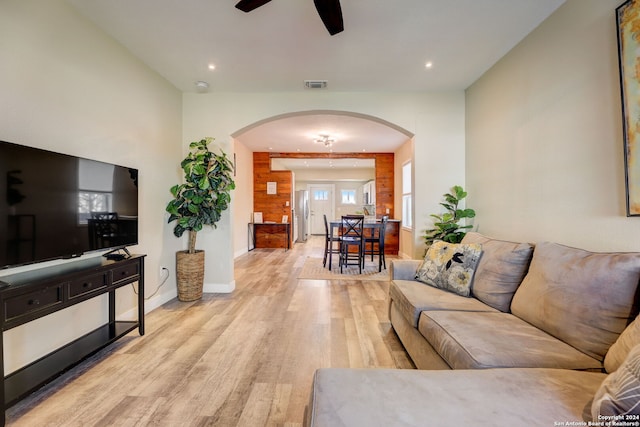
(54, 205)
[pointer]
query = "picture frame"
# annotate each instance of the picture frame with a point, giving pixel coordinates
(628, 20)
(272, 187)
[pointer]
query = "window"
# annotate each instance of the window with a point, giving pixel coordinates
(348, 197)
(320, 195)
(89, 201)
(95, 181)
(407, 196)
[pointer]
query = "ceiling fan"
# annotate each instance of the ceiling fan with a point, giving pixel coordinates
(329, 11)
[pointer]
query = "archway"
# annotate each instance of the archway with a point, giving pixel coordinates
(320, 113)
(289, 136)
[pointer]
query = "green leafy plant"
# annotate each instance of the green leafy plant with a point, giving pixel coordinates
(447, 226)
(204, 195)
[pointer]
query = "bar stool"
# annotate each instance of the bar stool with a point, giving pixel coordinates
(329, 242)
(351, 236)
(377, 239)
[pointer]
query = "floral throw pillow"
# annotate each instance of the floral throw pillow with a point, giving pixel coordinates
(619, 393)
(450, 266)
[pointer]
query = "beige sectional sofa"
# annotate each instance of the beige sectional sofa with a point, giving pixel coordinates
(549, 313)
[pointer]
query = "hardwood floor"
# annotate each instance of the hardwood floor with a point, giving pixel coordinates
(240, 359)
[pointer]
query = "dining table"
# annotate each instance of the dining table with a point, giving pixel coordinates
(370, 225)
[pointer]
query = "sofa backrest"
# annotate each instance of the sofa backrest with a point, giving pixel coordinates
(500, 270)
(586, 299)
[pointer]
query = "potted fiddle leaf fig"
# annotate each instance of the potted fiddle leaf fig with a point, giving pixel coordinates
(198, 201)
(447, 225)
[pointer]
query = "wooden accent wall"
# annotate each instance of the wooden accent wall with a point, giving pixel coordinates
(384, 184)
(272, 206)
(384, 174)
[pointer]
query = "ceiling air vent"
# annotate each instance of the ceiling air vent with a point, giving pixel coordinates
(315, 84)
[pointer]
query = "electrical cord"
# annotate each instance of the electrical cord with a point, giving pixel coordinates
(135, 291)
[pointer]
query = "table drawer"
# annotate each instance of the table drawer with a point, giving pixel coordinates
(87, 285)
(129, 272)
(31, 302)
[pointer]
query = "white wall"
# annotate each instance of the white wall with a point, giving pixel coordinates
(67, 87)
(242, 198)
(436, 119)
(438, 160)
(544, 136)
(340, 208)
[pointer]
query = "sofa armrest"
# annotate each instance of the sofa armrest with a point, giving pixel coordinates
(404, 269)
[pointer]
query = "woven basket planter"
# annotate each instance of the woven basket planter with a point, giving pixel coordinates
(190, 275)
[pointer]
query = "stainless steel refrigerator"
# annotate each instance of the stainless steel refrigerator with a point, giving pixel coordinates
(302, 212)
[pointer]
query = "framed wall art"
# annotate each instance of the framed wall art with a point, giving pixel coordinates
(628, 24)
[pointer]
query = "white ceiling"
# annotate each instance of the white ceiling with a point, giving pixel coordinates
(384, 47)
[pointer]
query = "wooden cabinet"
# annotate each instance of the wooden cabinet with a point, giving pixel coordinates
(34, 294)
(392, 237)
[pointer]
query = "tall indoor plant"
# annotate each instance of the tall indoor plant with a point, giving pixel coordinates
(199, 201)
(447, 226)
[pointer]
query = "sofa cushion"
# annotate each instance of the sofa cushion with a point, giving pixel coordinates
(404, 269)
(619, 351)
(413, 297)
(500, 270)
(497, 340)
(619, 393)
(450, 266)
(586, 299)
(491, 397)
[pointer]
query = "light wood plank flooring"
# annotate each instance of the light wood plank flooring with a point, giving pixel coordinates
(240, 359)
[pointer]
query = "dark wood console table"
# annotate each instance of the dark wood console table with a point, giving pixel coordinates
(269, 228)
(34, 294)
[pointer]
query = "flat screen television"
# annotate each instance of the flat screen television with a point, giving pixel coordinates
(55, 205)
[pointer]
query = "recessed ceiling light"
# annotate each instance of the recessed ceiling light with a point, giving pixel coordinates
(429, 65)
(212, 66)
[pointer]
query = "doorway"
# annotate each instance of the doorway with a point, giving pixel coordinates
(321, 202)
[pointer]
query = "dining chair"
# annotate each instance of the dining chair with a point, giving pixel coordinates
(351, 236)
(374, 243)
(104, 229)
(329, 244)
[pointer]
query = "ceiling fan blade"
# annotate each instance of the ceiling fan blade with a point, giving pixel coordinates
(249, 5)
(331, 14)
